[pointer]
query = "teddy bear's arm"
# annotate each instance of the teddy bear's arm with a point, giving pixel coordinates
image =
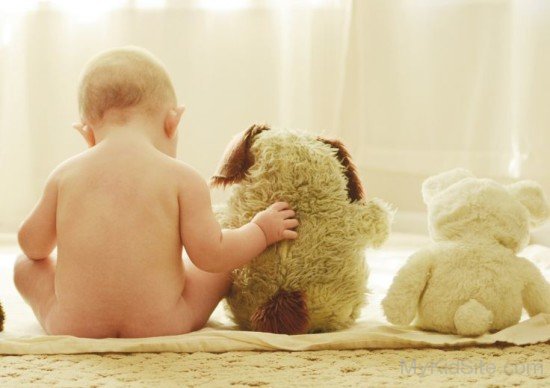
(536, 291)
(401, 301)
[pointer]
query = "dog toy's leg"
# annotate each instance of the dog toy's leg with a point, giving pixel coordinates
(401, 302)
(473, 319)
(536, 293)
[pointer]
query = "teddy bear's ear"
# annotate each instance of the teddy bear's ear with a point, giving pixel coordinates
(437, 183)
(237, 158)
(355, 188)
(531, 195)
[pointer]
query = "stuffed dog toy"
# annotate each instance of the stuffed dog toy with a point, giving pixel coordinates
(317, 282)
(470, 281)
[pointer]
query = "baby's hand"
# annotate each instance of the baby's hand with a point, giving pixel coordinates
(276, 222)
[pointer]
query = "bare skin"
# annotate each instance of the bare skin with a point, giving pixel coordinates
(120, 215)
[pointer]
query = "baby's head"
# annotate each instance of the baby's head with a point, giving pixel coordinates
(120, 83)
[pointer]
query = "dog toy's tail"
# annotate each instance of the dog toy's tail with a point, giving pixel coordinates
(284, 313)
(473, 319)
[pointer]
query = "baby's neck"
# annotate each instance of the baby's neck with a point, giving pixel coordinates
(136, 126)
(133, 133)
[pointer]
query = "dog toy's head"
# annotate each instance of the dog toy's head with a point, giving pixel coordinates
(283, 156)
(309, 172)
(461, 206)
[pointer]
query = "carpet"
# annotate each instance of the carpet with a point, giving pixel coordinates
(527, 366)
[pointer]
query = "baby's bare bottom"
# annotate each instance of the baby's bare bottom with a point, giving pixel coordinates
(35, 281)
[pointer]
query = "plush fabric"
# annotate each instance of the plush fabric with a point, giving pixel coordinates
(316, 283)
(470, 280)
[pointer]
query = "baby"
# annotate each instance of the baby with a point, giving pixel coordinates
(121, 212)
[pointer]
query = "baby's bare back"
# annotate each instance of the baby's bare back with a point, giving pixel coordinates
(120, 215)
(119, 247)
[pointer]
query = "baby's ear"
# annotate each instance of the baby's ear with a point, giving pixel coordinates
(237, 158)
(172, 120)
(531, 195)
(355, 188)
(87, 133)
(437, 183)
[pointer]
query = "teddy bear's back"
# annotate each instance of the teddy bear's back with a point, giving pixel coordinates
(486, 272)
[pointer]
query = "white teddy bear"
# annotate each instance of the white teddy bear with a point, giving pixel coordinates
(469, 280)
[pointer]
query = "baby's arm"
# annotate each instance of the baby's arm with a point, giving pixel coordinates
(215, 250)
(536, 292)
(37, 234)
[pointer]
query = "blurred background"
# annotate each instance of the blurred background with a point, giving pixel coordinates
(413, 87)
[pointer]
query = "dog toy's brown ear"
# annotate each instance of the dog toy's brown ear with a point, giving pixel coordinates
(237, 158)
(355, 187)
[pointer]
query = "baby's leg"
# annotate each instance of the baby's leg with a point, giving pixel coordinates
(35, 281)
(202, 293)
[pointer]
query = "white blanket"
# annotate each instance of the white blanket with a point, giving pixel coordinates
(23, 334)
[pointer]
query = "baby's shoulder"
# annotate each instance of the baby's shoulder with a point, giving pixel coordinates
(65, 168)
(190, 184)
(184, 175)
(180, 169)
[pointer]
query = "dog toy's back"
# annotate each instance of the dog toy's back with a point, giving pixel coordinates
(317, 282)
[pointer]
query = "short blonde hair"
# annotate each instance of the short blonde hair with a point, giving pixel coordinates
(122, 78)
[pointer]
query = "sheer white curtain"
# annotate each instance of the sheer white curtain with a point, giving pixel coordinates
(434, 84)
(412, 86)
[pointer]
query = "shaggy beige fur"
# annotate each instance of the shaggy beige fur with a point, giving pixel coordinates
(470, 281)
(316, 283)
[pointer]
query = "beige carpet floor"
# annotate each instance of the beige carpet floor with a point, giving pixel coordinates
(481, 366)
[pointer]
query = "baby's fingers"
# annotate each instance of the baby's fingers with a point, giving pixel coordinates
(280, 206)
(290, 223)
(287, 214)
(290, 235)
